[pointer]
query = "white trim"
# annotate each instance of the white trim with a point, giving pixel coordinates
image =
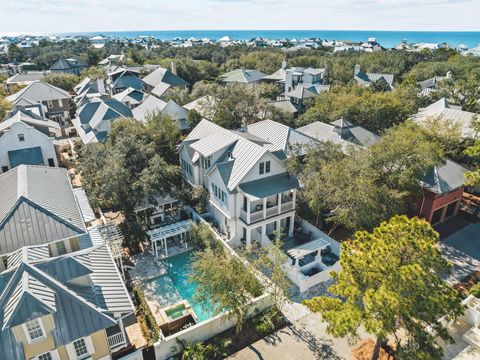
(27, 333)
(89, 344)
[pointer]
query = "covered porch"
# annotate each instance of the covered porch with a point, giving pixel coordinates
(174, 236)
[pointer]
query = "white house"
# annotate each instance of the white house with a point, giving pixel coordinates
(23, 144)
(251, 193)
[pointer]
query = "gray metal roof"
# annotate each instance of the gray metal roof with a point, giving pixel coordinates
(39, 91)
(368, 78)
(445, 178)
(37, 206)
(23, 78)
(244, 76)
(84, 204)
(150, 106)
(162, 75)
(20, 114)
(262, 188)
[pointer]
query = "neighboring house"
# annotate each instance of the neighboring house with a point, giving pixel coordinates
(94, 118)
(340, 132)
(20, 114)
(444, 111)
(429, 86)
(122, 79)
(23, 79)
(298, 84)
(160, 80)
(442, 192)
(88, 89)
(69, 66)
(38, 207)
(242, 76)
(251, 193)
(58, 102)
(70, 306)
(367, 79)
(153, 105)
(21, 143)
(158, 211)
(112, 60)
(204, 105)
(98, 41)
(34, 107)
(130, 97)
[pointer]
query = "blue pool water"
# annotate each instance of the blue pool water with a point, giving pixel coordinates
(175, 286)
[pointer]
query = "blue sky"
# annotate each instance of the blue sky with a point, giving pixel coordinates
(48, 16)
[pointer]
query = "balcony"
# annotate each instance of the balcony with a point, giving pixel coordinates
(260, 212)
(116, 341)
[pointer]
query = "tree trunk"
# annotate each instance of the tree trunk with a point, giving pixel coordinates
(376, 349)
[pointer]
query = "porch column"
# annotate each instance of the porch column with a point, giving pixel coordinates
(249, 207)
(279, 225)
(292, 225)
(249, 237)
(166, 249)
(122, 329)
(444, 211)
(318, 256)
(279, 203)
(264, 208)
(264, 234)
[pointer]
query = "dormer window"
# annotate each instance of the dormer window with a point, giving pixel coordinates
(206, 162)
(21, 137)
(34, 330)
(264, 167)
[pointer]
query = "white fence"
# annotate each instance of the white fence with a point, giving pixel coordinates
(205, 330)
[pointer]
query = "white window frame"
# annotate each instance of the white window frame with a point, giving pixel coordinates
(60, 102)
(53, 354)
(50, 104)
(27, 333)
(72, 353)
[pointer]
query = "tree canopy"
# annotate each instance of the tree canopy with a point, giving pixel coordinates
(390, 281)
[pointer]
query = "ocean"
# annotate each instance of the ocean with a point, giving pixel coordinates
(385, 38)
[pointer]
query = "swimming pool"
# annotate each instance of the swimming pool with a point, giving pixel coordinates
(175, 285)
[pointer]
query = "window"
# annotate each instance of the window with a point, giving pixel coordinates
(80, 347)
(46, 356)
(51, 163)
(262, 168)
(206, 162)
(49, 104)
(245, 203)
(60, 102)
(61, 248)
(21, 137)
(34, 329)
(267, 167)
(4, 168)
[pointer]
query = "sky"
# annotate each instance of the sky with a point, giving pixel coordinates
(60, 16)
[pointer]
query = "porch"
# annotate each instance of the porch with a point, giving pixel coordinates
(170, 239)
(116, 336)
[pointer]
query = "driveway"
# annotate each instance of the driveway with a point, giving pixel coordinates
(462, 249)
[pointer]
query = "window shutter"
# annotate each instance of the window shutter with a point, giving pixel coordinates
(55, 355)
(89, 343)
(72, 355)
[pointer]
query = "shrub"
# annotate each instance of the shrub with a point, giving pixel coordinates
(148, 324)
(475, 290)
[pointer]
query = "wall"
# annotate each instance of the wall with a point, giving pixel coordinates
(59, 108)
(9, 141)
(317, 233)
(276, 167)
(432, 202)
(205, 330)
(40, 346)
(100, 344)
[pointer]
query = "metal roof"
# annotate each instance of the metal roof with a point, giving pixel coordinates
(37, 206)
(245, 76)
(162, 75)
(150, 106)
(84, 204)
(445, 178)
(213, 143)
(265, 187)
(39, 91)
(21, 114)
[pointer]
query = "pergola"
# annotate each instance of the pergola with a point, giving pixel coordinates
(301, 251)
(161, 235)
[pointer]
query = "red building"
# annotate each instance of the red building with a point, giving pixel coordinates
(442, 192)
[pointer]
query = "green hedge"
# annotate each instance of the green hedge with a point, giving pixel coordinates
(149, 326)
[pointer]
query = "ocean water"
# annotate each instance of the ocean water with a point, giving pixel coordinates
(386, 38)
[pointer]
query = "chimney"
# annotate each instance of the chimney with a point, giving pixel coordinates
(288, 80)
(449, 75)
(284, 64)
(357, 70)
(174, 67)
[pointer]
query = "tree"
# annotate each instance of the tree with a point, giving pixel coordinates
(225, 283)
(95, 73)
(364, 187)
(390, 281)
(5, 107)
(63, 81)
(129, 166)
(473, 177)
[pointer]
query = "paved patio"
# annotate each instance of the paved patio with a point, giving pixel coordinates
(462, 249)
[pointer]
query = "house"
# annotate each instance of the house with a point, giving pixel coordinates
(98, 41)
(58, 102)
(130, 97)
(204, 105)
(160, 80)
(23, 79)
(445, 111)
(429, 86)
(122, 79)
(69, 66)
(367, 79)
(88, 89)
(153, 105)
(38, 207)
(21, 114)
(93, 119)
(298, 84)
(112, 60)
(250, 192)
(158, 210)
(22, 143)
(70, 306)
(442, 192)
(242, 76)
(340, 132)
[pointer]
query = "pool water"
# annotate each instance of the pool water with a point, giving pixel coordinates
(175, 285)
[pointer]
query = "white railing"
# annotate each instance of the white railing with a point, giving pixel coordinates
(287, 206)
(272, 211)
(243, 215)
(116, 340)
(256, 216)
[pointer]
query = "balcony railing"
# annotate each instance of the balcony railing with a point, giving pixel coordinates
(256, 216)
(287, 206)
(116, 340)
(272, 211)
